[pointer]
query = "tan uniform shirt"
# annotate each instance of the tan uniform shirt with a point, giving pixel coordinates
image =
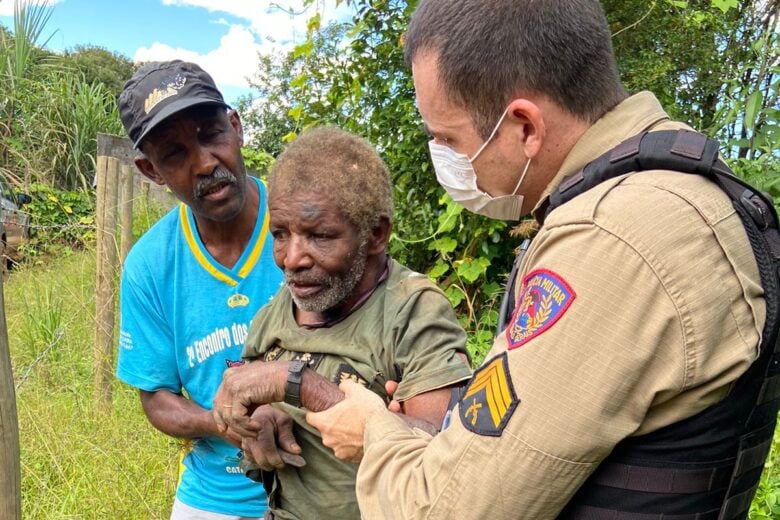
(640, 304)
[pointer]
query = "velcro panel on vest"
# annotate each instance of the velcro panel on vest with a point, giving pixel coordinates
(677, 150)
(664, 480)
(597, 513)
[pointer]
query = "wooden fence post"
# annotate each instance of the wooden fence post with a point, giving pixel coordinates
(106, 282)
(145, 193)
(10, 472)
(127, 211)
(112, 151)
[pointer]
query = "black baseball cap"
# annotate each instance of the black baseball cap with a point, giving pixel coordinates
(160, 89)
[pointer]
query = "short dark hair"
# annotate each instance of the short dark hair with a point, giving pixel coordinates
(340, 164)
(489, 50)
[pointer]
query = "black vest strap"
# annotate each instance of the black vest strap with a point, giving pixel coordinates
(707, 466)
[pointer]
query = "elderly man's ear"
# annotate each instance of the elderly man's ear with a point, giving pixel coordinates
(380, 236)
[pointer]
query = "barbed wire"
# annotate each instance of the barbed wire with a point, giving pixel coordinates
(74, 225)
(59, 333)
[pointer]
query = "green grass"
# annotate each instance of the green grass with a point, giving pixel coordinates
(79, 465)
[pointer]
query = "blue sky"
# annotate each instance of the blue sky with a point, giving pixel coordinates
(223, 36)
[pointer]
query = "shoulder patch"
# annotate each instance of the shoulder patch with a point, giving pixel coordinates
(544, 299)
(489, 400)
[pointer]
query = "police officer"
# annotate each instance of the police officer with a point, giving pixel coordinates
(619, 387)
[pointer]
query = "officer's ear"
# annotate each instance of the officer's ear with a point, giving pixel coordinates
(146, 167)
(380, 236)
(526, 119)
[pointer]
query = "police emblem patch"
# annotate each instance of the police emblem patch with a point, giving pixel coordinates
(489, 400)
(545, 297)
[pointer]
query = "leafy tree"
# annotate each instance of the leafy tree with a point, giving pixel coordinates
(273, 113)
(712, 63)
(98, 65)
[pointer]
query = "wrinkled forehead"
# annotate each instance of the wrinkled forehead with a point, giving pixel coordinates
(305, 206)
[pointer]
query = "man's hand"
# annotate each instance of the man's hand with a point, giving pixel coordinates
(244, 388)
(274, 445)
(342, 425)
(231, 437)
(394, 406)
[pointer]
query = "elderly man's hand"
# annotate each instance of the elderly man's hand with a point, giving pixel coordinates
(243, 389)
(273, 446)
(342, 425)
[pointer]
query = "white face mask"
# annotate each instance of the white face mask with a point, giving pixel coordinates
(456, 175)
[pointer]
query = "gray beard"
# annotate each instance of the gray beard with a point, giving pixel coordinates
(337, 289)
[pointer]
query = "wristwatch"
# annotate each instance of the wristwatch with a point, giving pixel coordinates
(292, 395)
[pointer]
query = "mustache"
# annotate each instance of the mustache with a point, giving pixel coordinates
(218, 177)
(305, 278)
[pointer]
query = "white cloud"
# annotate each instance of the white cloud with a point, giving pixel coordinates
(269, 19)
(229, 64)
(267, 28)
(7, 6)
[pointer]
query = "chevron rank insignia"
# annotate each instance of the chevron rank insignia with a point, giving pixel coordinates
(545, 298)
(489, 400)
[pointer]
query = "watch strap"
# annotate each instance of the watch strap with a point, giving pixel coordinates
(292, 394)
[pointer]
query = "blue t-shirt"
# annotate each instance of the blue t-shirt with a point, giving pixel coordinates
(184, 317)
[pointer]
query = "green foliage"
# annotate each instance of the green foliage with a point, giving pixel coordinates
(62, 221)
(49, 115)
(64, 118)
(146, 211)
(100, 66)
(257, 161)
(766, 503)
(713, 64)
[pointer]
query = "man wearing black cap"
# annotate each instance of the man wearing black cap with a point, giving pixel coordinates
(193, 282)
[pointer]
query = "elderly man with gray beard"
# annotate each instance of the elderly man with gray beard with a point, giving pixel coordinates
(347, 312)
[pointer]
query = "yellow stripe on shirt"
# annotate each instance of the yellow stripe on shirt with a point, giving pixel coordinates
(202, 260)
(255, 254)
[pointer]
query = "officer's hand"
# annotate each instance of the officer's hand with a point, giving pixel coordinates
(244, 388)
(393, 405)
(274, 445)
(342, 425)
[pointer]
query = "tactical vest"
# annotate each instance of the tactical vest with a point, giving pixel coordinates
(707, 466)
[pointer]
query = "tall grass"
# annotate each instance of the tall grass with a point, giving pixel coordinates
(77, 464)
